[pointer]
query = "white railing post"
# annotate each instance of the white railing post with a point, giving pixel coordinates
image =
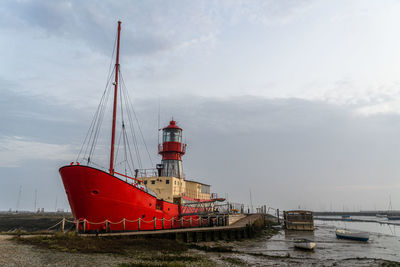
(63, 225)
(155, 222)
(123, 224)
(139, 224)
(84, 225)
(163, 223)
(77, 225)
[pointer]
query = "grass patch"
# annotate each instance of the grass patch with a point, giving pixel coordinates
(387, 263)
(31, 222)
(119, 245)
(169, 260)
(234, 261)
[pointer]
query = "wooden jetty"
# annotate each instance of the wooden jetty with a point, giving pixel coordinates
(299, 220)
(245, 227)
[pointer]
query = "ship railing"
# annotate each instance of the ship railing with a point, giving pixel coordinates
(85, 226)
(141, 173)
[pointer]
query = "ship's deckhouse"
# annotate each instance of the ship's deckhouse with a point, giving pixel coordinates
(175, 189)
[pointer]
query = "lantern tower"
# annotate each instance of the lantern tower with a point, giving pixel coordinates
(171, 151)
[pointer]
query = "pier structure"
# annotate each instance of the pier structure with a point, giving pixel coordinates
(245, 226)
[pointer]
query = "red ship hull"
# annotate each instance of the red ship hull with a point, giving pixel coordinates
(104, 200)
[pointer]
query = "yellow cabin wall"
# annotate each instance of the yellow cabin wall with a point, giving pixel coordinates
(176, 188)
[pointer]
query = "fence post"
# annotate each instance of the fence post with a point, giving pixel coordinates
(163, 223)
(106, 225)
(209, 221)
(77, 225)
(190, 221)
(84, 225)
(123, 224)
(200, 221)
(277, 215)
(139, 224)
(172, 222)
(155, 222)
(63, 225)
(181, 222)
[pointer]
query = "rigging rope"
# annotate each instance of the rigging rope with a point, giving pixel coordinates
(95, 118)
(87, 150)
(137, 120)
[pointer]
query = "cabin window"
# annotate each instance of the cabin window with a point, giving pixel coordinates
(153, 182)
(167, 181)
(205, 189)
(145, 182)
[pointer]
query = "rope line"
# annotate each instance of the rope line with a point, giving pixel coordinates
(54, 225)
(173, 219)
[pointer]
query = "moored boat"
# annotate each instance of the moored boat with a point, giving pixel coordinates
(346, 217)
(118, 196)
(304, 244)
(352, 235)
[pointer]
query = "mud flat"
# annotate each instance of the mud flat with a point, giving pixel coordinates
(269, 247)
(31, 222)
(72, 250)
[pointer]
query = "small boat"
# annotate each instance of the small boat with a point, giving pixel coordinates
(304, 244)
(353, 235)
(346, 217)
(276, 227)
(391, 215)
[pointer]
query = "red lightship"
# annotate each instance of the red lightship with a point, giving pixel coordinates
(110, 200)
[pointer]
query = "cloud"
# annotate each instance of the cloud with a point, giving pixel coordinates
(15, 150)
(301, 149)
(149, 27)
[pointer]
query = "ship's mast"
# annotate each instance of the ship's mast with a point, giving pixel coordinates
(115, 102)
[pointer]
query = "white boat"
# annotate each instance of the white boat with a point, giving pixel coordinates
(351, 234)
(304, 244)
(391, 215)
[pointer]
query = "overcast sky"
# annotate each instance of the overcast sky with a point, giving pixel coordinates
(297, 101)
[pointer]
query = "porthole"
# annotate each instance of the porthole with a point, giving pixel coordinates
(95, 192)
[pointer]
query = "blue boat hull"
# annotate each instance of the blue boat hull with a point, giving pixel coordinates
(351, 237)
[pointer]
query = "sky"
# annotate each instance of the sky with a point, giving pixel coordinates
(297, 102)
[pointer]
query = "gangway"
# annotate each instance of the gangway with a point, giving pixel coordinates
(202, 207)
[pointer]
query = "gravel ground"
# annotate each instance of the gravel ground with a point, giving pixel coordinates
(14, 254)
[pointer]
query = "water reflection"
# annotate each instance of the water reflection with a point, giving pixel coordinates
(380, 225)
(384, 243)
